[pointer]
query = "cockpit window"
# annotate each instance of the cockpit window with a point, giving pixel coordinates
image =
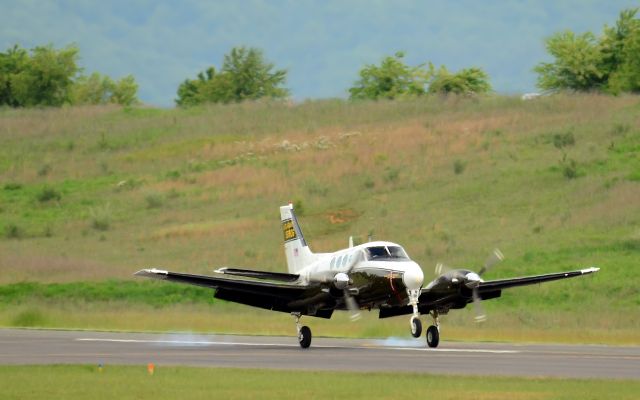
(397, 252)
(386, 253)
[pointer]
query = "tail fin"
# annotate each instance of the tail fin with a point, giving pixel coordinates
(295, 247)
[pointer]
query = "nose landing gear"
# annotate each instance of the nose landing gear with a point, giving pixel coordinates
(416, 325)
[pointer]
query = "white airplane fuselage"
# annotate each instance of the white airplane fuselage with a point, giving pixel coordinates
(372, 281)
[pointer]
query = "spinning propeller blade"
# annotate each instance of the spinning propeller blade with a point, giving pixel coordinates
(441, 269)
(495, 257)
(477, 305)
(352, 306)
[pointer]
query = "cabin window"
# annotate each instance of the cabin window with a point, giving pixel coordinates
(333, 263)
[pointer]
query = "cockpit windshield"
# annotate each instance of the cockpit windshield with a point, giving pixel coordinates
(386, 253)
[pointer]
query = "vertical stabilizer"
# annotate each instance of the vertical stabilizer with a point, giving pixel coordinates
(295, 247)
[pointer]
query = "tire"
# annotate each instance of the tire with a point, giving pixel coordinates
(304, 337)
(433, 336)
(416, 327)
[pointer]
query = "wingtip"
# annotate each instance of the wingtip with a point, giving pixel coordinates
(590, 270)
(152, 272)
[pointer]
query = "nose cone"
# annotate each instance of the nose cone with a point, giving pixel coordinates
(413, 277)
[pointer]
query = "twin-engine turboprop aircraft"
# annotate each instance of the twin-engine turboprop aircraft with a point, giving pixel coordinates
(374, 275)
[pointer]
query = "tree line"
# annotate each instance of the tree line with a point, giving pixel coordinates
(45, 76)
(581, 62)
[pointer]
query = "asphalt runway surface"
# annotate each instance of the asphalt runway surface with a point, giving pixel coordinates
(394, 354)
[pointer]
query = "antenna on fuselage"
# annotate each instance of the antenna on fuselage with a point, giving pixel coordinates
(350, 241)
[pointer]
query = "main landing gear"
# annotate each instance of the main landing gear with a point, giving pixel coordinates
(304, 333)
(433, 332)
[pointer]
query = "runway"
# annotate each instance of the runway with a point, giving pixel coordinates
(394, 354)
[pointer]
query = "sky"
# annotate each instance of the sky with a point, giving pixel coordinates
(322, 44)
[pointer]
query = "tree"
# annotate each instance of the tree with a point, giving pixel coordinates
(125, 91)
(92, 89)
(11, 63)
(577, 63)
(245, 75)
(49, 77)
(250, 76)
(394, 79)
(101, 89)
(621, 53)
(583, 62)
(42, 77)
(467, 81)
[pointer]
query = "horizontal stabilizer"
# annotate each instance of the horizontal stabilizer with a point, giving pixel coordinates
(248, 273)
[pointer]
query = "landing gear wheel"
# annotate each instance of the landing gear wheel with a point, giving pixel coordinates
(416, 327)
(433, 336)
(304, 337)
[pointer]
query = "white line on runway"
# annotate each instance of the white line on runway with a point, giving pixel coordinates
(214, 343)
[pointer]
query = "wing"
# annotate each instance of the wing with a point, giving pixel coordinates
(285, 297)
(444, 296)
(249, 273)
(500, 284)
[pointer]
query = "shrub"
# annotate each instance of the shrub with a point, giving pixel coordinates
(298, 207)
(12, 231)
(173, 175)
(570, 169)
(154, 200)
(620, 129)
(12, 186)
(561, 140)
(369, 183)
(459, 166)
(44, 170)
(392, 174)
(101, 218)
(48, 193)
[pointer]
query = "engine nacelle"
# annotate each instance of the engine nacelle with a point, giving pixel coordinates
(341, 281)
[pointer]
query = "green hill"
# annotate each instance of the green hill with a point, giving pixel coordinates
(90, 195)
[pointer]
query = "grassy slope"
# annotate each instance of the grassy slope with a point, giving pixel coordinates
(194, 189)
(71, 382)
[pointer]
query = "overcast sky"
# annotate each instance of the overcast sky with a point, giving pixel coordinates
(323, 44)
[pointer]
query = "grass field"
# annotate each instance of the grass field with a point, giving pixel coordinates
(134, 382)
(90, 195)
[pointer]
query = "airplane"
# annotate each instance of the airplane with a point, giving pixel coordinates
(374, 275)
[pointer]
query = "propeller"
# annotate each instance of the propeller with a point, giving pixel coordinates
(342, 281)
(495, 257)
(472, 280)
(441, 269)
